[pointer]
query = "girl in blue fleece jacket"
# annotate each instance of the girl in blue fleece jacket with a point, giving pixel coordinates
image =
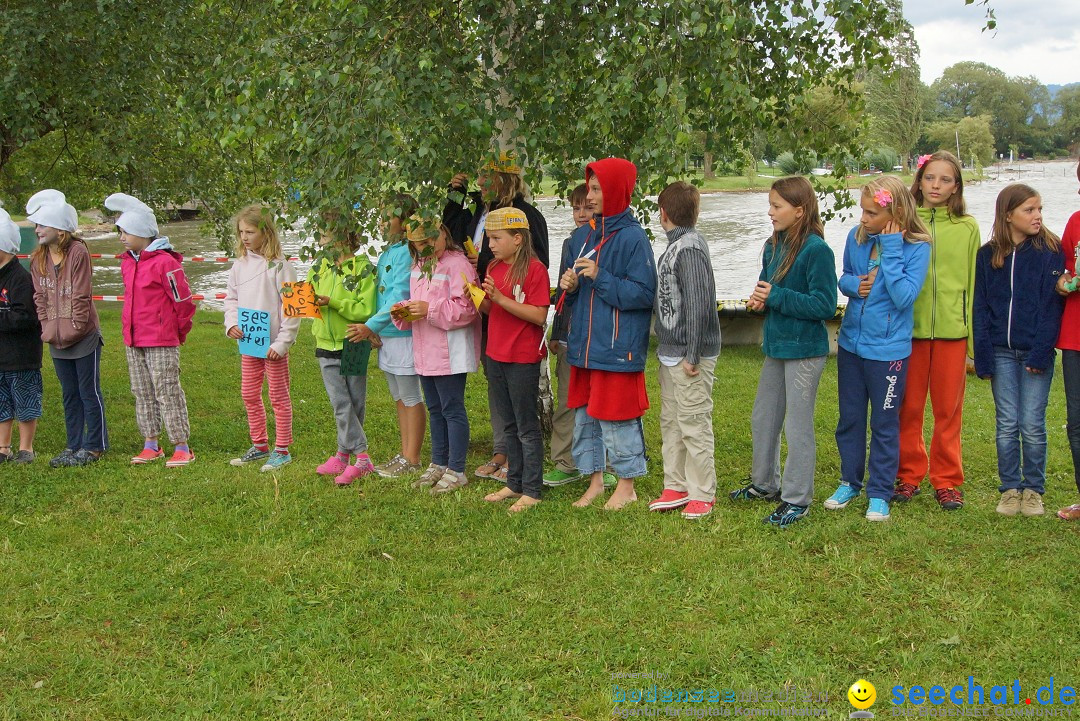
(1017, 315)
(885, 263)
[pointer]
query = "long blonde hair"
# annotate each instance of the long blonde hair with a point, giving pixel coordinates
(262, 218)
(505, 188)
(797, 191)
(39, 258)
(901, 208)
(519, 267)
(1008, 200)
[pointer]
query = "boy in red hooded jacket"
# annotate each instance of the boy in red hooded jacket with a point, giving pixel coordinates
(156, 320)
(608, 278)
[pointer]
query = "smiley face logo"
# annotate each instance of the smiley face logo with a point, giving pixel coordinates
(862, 694)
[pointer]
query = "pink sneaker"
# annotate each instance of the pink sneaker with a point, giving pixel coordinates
(333, 466)
(669, 500)
(697, 509)
(351, 473)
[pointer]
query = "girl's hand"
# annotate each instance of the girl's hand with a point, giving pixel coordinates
(473, 258)
(272, 355)
(866, 284)
(459, 181)
(493, 293)
(376, 341)
(569, 281)
(586, 267)
(761, 292)
(755, 305)
(892, 227)
(321, 300)
(357, 332)
(689, 368)
(1035, 371)
(418, 308)
(1060, 286)
(235, 332)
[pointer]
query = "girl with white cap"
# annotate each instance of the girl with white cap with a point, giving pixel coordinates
(61, 271)
(155, 321)
(20, 349)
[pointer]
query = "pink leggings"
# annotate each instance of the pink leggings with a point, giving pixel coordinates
(252, 371)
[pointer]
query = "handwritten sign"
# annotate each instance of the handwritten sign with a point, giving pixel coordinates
(298, 300)
(255, 325)
(354, 358)
(476, 293)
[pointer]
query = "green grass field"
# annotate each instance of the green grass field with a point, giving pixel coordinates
(219, 592)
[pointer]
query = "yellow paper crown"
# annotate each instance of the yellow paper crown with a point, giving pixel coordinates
(506, 219)
(416, 231)
(505, 163)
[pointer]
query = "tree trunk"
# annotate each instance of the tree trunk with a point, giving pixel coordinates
(710, 174)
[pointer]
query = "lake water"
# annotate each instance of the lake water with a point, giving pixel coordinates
(736, 226)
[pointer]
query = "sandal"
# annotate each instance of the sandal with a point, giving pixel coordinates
(1070, 513)
(430, 477)
(450, 482)
(489, 469)
(500, 474)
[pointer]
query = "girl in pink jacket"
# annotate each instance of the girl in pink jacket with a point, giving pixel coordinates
(156, 320)
(446, 347)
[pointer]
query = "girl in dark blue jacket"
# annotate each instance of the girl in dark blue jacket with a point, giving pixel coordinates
(1017, 315)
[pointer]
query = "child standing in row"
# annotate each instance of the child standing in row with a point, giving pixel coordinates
(941, 339)
(63, 294)
(797, 292)
(609, 286)
(1069, 343)
(1017, 318)
(345, 293)
(20, 349)
(885, 261)
(688, 334)
(253, 298)
(155, 321)
(396, 349)
(446, 347)
(517, 300)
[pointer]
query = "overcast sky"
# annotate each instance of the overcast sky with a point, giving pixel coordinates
(1033, 37)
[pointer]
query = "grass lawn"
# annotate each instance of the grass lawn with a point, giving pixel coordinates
(219, 592)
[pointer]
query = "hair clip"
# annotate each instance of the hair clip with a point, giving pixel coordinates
(922, 160)
(883, 197)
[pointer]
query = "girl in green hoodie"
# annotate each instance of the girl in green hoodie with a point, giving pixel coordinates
(941, 338)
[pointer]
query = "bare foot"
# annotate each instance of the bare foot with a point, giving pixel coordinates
(623, 495)
(501, 495)
(523, 503)
(590, 495)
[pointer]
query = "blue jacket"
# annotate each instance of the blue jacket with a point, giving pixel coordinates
(878, 327)
(799, 304)
(1016, 306)
(610, 316)
(391, 286)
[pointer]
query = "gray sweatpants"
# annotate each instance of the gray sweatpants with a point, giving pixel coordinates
(787, 390)
(348, 398)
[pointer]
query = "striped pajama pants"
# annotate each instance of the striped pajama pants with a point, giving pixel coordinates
(159, 399)
(276, 372)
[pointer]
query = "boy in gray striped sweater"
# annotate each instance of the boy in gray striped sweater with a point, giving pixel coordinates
(688, 331)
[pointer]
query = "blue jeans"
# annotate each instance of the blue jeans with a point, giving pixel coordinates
(1020, 399)
(445, 398)
(621, 441)
(881, 385)
(84, 403)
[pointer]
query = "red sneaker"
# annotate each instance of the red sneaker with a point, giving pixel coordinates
(669, 500)
(180, 458)
(147, 455)
(697, 509)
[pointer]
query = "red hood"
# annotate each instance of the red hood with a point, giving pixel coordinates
(616, 177)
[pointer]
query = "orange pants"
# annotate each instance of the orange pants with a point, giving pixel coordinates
(939, 366)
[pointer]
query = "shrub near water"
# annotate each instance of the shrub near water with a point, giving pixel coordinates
(219, 592)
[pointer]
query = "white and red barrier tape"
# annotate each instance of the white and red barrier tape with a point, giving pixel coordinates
(120, 298)
(193, 259)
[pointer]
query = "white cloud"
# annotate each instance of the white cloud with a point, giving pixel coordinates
(1040, 39)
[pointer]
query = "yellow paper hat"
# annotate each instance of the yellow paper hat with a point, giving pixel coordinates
(506, 219)
(416, 231)
(505, 163)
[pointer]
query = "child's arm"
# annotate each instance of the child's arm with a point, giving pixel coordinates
(903, 281)
(451, 309)
(287, 327)
(974, 241)
(849, 282)
(980, 321)
(395, 289)
(178, 291)
(81, 287)
(694, 277)
(636, 291)
(232, 303)
(820, 302)
(22, 313)
(1048, 325)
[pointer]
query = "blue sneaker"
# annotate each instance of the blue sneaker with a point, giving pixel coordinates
(786, 514)
(276, 461)
(841, 497)
(878, 510)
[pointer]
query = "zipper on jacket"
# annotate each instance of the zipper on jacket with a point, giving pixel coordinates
(933, 272)
(964, 296)
(1012, 283)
